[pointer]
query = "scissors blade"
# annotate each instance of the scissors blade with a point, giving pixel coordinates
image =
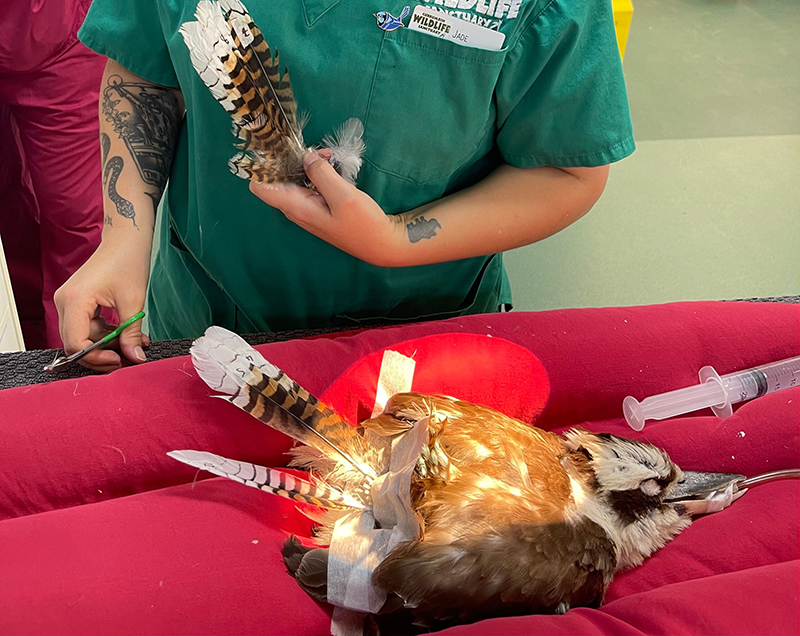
(61, 362)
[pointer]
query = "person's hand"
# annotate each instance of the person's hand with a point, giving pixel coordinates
(338, 213)
(114, 276)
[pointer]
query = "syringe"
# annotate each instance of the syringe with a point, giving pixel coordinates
(715, 391)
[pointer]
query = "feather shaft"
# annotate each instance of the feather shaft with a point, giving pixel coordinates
(269, 480)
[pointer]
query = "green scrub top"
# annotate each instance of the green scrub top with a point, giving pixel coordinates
(438, 117)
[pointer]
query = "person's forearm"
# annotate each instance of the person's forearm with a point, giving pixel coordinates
(510, 208)
(139, 123)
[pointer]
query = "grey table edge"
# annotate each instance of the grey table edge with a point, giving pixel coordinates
(27, 367)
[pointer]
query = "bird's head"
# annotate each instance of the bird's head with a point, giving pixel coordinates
(633, 477)
(637, 493)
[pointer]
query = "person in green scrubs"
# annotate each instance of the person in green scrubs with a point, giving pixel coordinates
(469, 152)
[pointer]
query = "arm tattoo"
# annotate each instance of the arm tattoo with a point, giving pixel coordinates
(146, 117)
(422, 228)
(110, 176)
(105, 144)
(108, 220)
(156, 197)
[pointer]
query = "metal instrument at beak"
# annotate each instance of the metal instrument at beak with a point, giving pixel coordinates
(704, 493)
(63, 361)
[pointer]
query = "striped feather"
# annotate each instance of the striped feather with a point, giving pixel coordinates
(257, 57)
(267, 169)
(231, 56)
(269, 480)
(228, 364)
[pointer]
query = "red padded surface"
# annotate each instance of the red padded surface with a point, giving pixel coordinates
(153, 553)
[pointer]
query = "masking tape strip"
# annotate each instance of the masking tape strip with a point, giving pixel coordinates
(357, 546)
(720, 500)
(396, 376)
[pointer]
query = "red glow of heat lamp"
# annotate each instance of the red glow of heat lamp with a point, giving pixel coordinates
(489, 371)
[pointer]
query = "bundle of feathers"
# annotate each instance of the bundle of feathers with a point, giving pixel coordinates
(232, 58)
(513, 519)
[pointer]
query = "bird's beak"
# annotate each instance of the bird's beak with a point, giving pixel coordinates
(694, 485)
(701, 493)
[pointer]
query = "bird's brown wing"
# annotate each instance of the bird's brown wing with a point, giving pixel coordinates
(483, 470)
(523, 569)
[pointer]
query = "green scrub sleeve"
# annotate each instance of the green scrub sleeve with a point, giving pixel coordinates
(130, 33)
(561, 98)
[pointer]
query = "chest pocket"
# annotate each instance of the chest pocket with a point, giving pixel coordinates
(431, 107)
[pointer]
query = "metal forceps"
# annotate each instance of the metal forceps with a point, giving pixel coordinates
(720, 489)
(62, 361)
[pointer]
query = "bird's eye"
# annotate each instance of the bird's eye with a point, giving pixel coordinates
(650, 487)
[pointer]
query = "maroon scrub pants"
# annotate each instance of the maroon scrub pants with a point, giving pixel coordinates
(51, 210)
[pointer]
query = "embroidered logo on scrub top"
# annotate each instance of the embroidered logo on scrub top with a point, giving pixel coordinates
(388, 22)
(486, 13)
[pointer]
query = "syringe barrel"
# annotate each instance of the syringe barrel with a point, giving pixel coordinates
(763, 379)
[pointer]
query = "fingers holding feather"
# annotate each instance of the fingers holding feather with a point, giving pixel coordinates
(300, 205)
(338, 213)
(330, 184)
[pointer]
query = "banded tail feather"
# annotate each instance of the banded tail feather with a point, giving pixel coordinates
(269, 480)
(229, 53)
(228, 364)
(254, 52)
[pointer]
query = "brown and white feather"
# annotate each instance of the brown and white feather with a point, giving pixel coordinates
(231, 56)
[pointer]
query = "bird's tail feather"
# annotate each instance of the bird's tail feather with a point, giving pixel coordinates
(269, 480)
(231, 56)
(228, 364)
(273, 89)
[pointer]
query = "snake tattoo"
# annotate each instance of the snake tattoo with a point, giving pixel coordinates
(111, 175)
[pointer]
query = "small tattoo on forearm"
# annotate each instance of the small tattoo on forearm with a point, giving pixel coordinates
(108, 220)
(110, 176)
(422, 228)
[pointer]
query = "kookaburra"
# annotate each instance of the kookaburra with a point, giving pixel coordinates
(514, 519)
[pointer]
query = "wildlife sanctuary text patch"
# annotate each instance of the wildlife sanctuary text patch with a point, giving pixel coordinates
(442, 25)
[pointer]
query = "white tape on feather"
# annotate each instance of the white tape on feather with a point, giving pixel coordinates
(357, 546)
(345, 622)
(243, 31)
(396, 376)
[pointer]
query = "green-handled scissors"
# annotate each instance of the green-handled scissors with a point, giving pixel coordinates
(62, 361)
